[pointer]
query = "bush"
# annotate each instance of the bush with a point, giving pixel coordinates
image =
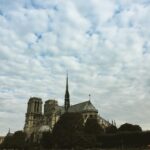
(129, 128)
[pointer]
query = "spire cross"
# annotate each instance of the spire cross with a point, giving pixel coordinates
(89, 96)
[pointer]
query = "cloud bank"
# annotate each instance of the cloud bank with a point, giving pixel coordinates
(104, 45)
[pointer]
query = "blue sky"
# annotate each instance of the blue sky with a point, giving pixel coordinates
(104, 45)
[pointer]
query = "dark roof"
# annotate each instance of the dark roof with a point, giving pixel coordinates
(82, 107)
(86, 106)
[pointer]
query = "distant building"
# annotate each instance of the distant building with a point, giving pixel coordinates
(1, 139)
(37, 121)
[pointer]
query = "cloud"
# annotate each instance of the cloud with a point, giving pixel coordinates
(104, 46)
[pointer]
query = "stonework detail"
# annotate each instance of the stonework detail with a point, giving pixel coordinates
(38, 121)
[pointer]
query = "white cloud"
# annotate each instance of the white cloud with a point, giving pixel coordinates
(104, 46)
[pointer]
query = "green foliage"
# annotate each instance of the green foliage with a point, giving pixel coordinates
(68, 131)
(125, 139)
(7, 142)
(46, 140)
(70, 121)
(93, 127)
(129, 128)
(111, 129)
(17, 140)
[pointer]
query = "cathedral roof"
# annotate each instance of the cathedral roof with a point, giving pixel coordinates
(85, 106)
(82, 107)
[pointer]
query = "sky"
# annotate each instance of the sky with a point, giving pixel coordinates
(103, 44)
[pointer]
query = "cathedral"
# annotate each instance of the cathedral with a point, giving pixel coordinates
(38, 121)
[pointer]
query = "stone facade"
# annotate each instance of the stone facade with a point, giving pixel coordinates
(38, 121)
(34, 116)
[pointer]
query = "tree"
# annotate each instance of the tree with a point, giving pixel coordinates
(46, 140)
(111, 129)
(92, 130)
(93, 127)
(68, 131)
(7, 143)
(17, 140)
(129, 128)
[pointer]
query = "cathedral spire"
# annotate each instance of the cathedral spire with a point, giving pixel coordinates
(67, 97)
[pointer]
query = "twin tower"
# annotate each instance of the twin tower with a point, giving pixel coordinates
(35, 104)
(36, 118)
(37, 121)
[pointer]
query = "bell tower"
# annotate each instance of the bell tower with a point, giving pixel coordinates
(67, 96)
(33, 115)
